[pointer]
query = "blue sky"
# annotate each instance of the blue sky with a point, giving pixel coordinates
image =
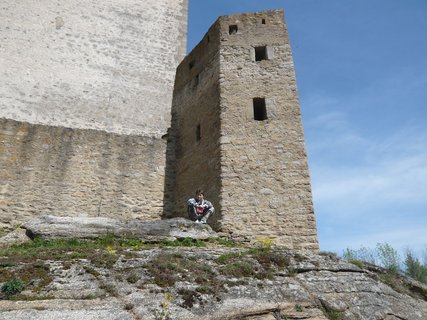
(361, 67)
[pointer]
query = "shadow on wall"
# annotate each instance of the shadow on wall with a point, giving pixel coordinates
(177, 207)
(170, 174)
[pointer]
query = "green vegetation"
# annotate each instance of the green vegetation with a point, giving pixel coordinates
(28, 261)
(332, 314)
(164, 312)
(414, 268)
(299, 308)
(185, 242)
(387, 257)
(35, 275)
(167, 268)
(239, 264)
(238, 269)
(12, 287)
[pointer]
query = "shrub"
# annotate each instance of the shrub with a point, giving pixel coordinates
(12, 287)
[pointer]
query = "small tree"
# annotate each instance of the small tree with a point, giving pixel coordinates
(388, 256)
(414, 268)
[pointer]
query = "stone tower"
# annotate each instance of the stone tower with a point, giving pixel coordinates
(237, 132)
(101, 64)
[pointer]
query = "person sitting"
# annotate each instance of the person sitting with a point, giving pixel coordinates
(199, 209)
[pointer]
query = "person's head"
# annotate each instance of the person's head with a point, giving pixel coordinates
(199, 194)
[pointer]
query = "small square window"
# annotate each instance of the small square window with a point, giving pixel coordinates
(232, 29)
(260, 110)
(261, 53)
(263, 21)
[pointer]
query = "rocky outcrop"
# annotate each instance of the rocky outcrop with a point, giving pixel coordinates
(52, 227)
(211, 282)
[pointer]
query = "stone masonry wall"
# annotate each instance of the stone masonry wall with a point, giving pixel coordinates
(195, 126)
(253, 164)
(100, 64)
(66, 172)
(265, 179)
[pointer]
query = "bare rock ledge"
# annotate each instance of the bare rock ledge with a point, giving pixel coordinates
(52, 227)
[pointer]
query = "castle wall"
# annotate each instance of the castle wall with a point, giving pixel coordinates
(262, 187)
(195, 128)
(64, 172)
(100, 64)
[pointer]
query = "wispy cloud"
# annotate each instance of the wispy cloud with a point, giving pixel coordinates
(381, 184)
(377, 194)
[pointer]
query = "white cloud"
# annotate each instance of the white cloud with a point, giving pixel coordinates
(387, 181)
(368, 191)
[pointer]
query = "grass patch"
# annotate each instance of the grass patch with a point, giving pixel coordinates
(239, 269)
(67, 250)
(167, 268)
(241, 264)
(397, 282)
(185, 242)
(299, 308)
(226, 257)
(223, 242)
(268, 257)
(36, 276)
(133, 278)
(333, 314)
(109, 288)
(190, 297)
(358, 263)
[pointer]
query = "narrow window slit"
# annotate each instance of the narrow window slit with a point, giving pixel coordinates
(260, 110)
(198, 133)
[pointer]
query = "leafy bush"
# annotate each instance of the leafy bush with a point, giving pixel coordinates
(12, 287)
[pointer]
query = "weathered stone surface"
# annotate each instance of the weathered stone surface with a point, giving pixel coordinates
(100, 64)
(56, 170)
(254, 168)
(298, 290)
(52, 227)
(17, 236)
(107, 309)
